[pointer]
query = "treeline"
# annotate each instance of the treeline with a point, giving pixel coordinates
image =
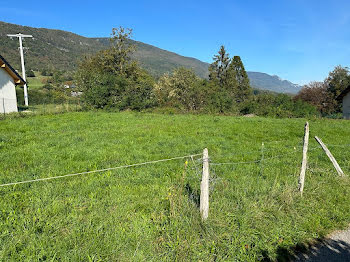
(112, 80)
(323, 95)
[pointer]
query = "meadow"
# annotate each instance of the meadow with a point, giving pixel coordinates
(150, 212)
(37, 82)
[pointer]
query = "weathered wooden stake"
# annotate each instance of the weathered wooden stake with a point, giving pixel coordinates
(3, 104)
(330, 156)
(262, 159)
(304, 163)
(204, 198)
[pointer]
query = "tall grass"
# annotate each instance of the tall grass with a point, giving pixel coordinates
(150, 212)
(43, 109)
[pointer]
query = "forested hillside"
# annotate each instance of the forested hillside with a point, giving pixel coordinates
(61, 50)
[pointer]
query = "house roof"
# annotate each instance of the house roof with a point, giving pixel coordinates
(344, 93)
(12, 72)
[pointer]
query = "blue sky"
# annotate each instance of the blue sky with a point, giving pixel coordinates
(298, 40)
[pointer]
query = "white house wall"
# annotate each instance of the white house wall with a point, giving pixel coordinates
(346, 106)
(8, 99)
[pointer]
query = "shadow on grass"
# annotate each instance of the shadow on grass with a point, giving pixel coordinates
(193, 195)
(321, 251)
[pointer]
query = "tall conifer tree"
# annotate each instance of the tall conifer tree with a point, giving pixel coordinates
(219, 76)
(218, 69)
(243, 91)
(230, 80)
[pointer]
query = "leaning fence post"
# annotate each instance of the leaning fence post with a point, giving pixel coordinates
(304, 163)
(204, 197)
(330, 156)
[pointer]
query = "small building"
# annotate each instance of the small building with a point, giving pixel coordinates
(9, 78)
(344, 97)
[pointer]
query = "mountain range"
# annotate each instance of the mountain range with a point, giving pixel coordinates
(62, 50)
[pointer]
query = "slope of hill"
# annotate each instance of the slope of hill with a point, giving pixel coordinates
(48, 48)
(158, 61)
(59, 49)
(62, 50)
(272, 83)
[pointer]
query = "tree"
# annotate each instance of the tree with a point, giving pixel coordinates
(337, 81)
(316, 94)
(222, 81)
(117, 59)
(243, 90)
(112, 79)
(218, 69)
(323, 95)
(180, 89)
(231, 77)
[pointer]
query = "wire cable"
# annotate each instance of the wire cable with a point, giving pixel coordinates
(97, 171)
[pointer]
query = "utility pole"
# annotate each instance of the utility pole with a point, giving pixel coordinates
(20, 36)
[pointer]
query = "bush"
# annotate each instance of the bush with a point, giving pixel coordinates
(101, 90)
(111, 79)
(181, 89)
(316, 94)
(42, 96)
(105, 90)
(46, 72)
(279, 105)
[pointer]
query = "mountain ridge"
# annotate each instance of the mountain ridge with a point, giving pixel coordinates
(59, 49)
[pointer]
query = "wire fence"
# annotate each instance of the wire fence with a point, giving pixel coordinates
(196, 160)
(258, 160)
(98, 171)
(205, 172)
(221, 176)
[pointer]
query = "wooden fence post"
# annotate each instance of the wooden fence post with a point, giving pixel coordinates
(3, 105)
(262, 159)
(304, 163)
(204, 197)
(330, 156)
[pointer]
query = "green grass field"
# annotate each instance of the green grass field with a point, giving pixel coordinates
(36, 82)
(150, 213)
